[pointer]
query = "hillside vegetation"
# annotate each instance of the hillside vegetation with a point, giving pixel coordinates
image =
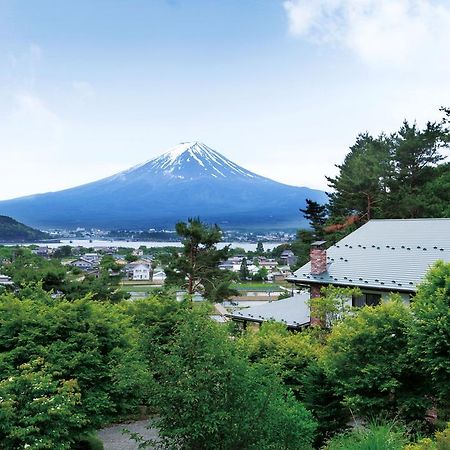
(13, 231)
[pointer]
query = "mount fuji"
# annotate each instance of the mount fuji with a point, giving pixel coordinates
(189, 180)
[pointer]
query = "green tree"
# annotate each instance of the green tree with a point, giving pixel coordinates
(367, 361)
(333, 305)
(415, 154)
(196, 267)
(316, 214)
(361, 185)
(210, 397)
(261, 274)
(244, 273)
(429, 338)
(37, 411)
(259, 248)
(87, 341)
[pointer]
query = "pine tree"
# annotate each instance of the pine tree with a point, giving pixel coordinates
(196, 268)
(316, 214)
(244, 273)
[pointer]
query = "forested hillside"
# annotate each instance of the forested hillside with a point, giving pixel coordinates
(13, 231)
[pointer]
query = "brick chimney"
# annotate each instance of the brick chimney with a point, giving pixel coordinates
(318, 257)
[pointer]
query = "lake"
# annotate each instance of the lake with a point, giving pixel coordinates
(247, 246)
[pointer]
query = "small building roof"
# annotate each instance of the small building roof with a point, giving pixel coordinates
(392, 254)
(293, 311)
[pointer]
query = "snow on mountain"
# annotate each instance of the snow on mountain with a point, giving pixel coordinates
(189, 180)
(190, 160)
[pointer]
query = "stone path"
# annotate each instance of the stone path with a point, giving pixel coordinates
(113, 438)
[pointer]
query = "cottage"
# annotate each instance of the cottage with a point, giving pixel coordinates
(83, 264)
(381, 257)
(288, 258)
(43, 251)
(159, 277)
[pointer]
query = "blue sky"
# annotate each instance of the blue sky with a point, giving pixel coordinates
(89, 88)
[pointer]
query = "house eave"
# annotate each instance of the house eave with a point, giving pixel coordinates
(307, 283)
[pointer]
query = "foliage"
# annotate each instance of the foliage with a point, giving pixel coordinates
(366, 359)
(210, 397)
(374, 436)
(429, 341)
(27, 268)
(316, 214)
(90, 342)
(37, 411)
(298, 359)
(440, 441)
(261, 274)
(259, 248)
(196, 268)
(244, 273)
(361, 185)
(333, 304)
(11, 230)
(397, 176)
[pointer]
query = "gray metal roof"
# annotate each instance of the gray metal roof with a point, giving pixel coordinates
(292, 311)
(384, 254)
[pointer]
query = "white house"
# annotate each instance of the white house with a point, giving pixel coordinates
(5, 280)
(92, 257)
(159, 277)
(138, 271)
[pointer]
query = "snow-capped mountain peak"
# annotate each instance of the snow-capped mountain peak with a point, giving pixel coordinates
(191, 160)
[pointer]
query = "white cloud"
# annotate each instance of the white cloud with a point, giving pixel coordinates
(381, 32)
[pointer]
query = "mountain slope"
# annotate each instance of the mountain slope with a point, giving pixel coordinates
(189, 180)
(13, 231)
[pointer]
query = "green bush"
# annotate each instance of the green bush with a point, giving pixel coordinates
(209, 396)
(88, 442)
(371, 437)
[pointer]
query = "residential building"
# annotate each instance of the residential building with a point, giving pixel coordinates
(139, 270)
(379, 258)
(5, 280)
(84, 264)
(159, 277)
(288, 258)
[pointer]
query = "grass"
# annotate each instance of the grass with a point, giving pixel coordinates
(374, 436)
(139, 287)
(264, 287)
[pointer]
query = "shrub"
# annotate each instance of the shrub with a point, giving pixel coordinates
(209, 396)
(372, 437)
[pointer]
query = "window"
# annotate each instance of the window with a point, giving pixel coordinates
(366, 300)
(372, 299)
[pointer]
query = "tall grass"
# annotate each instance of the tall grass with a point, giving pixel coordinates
(374, 436)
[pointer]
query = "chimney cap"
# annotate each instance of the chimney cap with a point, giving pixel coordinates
(318, 243)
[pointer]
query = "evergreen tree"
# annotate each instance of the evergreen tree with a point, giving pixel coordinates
(316, 214)
(196, 267)
(259, 248)
(244, 273)
(360, 187)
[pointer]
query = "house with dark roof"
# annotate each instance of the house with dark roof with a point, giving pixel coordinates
(292, 311)
(379, 258)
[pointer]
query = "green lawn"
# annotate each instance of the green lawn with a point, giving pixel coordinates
(139, 287)
(263, 287)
